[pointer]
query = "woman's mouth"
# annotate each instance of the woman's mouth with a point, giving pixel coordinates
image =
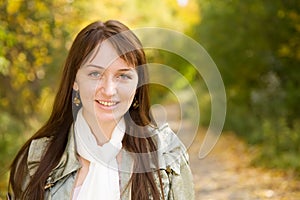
(107, 103)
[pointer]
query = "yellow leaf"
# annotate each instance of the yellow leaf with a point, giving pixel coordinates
(13, 6)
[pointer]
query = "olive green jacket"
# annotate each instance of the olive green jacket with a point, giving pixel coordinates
(173, 162)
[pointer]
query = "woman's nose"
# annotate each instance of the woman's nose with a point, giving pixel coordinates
(108, 86)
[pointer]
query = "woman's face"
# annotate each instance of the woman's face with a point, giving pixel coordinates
(107, 85)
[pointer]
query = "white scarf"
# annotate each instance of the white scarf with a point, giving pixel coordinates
(102, 180)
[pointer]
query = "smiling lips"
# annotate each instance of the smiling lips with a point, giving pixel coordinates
(107, 103)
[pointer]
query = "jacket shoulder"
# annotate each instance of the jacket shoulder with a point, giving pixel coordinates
(36, 151)
(171, 151)
(174, 160)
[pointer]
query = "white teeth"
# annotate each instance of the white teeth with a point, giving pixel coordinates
(105, 103)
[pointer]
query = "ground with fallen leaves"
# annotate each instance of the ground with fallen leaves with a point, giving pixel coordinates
(226, 174)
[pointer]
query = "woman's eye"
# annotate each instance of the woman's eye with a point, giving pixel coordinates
(125, 76)
(95, 74)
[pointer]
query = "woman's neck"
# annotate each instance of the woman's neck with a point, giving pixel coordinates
(102, 132)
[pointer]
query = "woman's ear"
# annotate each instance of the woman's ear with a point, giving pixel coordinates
(75, 86)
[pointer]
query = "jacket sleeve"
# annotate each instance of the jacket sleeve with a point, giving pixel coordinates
(174, 159)
(36, 150)
(10, 194)
(181, 185)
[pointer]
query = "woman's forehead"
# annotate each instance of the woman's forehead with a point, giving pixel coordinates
(104, 55)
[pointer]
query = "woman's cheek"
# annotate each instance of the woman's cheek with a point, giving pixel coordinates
(128, 90)
(88, 90)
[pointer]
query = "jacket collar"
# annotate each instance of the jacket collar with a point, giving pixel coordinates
(69, 161)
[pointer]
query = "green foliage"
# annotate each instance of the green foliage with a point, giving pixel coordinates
(31, 34)
(280, 148)
(136, 13)
(256, 46)
(10, 141)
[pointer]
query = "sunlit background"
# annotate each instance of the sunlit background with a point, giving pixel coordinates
(255, 44)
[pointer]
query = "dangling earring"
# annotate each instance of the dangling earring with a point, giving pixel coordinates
(135, 104)
(76, 99)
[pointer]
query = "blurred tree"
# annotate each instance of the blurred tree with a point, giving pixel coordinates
(31, 35)
(136, 13)
(256, 45)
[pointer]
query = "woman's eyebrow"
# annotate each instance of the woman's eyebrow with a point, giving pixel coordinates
(97, 66)
(126, 70)
(129, 69)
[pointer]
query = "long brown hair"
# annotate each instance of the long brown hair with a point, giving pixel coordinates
(61, 118)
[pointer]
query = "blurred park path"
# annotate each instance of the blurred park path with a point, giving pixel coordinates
(226, 173)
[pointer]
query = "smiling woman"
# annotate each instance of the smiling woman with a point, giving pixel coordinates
(101, 141)
(107, 86)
